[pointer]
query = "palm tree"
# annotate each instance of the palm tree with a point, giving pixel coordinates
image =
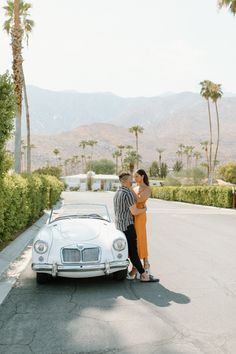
(216, 93)
(26, 27)
(16, 42)
(130, 160)
(136, 130)
(56, 152)
(116, 154)
(92, 143)
(83, 162)
(180, 151)
(188, 151)
(83, 144)
(230, 4)
(206, 93)
(197, 155)
(191, 148)
(204, 145)
(121, 148)
(160, 151)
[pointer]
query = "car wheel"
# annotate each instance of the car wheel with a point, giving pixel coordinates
(42, 278)
(121, 275)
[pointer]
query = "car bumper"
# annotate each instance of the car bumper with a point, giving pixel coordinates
(81, 270)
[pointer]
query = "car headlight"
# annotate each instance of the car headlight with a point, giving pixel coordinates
(41, 246)
(119, 244)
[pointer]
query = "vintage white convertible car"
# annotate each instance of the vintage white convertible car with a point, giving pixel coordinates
(80, 241)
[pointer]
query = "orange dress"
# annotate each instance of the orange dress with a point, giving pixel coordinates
(140, 227)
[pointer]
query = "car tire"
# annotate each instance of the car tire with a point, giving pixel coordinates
(121, 275)
(42, 278)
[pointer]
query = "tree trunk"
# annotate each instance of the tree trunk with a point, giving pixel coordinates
(136, 136)
(210, 152)
(218, 135)
(17, 35)
(18, 142)
(116, 165)
(28, 126)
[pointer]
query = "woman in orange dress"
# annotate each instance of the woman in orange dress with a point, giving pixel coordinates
(142, 192)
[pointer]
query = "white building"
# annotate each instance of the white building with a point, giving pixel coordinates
(91, 181)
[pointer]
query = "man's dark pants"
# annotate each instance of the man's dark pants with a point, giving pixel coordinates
(131, 237)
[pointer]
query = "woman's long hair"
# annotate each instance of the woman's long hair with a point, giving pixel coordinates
(141, 172)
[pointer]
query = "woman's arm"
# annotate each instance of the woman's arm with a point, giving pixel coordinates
(143, 196)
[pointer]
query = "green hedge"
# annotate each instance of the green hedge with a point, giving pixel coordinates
(23, 199)
(217, 196)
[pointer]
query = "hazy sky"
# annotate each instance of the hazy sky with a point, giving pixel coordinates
(128, 47)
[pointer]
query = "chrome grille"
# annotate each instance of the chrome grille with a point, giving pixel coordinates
(74, 255)
(71, 255)
(90, 254)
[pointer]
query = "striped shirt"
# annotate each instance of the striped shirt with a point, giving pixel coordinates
(123, 200)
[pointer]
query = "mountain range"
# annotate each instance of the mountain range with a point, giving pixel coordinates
(62, 119)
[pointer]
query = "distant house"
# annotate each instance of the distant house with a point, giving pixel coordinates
(91, 181)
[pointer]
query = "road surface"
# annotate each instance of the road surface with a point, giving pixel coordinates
(191, 311)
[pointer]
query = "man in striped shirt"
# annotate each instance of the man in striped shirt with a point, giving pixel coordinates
(125, 208)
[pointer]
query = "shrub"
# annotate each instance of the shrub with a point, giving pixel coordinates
(50, 170)
(23, 199)
(228, 172)
(7, 108)
(218, 196)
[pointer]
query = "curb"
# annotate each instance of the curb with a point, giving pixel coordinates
(11, 252)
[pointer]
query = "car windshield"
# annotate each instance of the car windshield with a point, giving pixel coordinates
(81, 211)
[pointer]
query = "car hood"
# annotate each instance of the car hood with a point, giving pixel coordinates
(79, 230)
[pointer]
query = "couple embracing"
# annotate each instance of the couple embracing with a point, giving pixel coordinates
(130, 218)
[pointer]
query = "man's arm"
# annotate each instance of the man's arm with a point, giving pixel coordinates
(136, 211)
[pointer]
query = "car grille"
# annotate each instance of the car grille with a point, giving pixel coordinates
(73, 255)
(90, 254)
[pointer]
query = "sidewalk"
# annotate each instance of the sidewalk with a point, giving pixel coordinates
(13, 251)
(10, 253)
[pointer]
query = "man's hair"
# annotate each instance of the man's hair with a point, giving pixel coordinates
(124, 176)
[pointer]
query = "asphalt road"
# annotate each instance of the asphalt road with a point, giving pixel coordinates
(191, 311)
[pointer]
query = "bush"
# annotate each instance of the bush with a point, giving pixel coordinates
(218, 196)
(23, 199)
(228, 172)
(7, 109)
(50, 170)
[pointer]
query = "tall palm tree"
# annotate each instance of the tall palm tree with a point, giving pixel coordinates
(206, 93)
(83, 145)
(216, 93)
(197, 155)
(136, 130)
(83, 162)
(26, 27)
(181, 150)
(204, 145)
(116, 154)
(92, 143)
(121, 148)
(187, 153)
(56, 153)
(160, 151)
(16, 43)
(191, 148)
(230, 4)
